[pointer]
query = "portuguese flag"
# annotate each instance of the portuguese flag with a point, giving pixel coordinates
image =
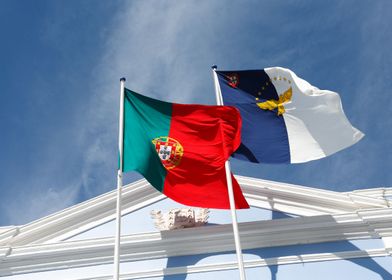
(181, 149)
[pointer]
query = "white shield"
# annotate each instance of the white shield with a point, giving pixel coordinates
(164, 152)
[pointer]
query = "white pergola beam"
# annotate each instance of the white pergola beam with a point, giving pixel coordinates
(298, 200)
(304, 258)
(209, 239)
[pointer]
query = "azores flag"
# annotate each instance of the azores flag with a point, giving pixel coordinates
(284, 118)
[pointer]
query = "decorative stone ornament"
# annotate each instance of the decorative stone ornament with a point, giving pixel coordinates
(180, 218)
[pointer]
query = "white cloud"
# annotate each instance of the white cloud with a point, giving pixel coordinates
(150, 46)
(165, 51)
(39, 203)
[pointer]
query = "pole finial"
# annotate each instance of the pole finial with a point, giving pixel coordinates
(122, 79)
(214, 67)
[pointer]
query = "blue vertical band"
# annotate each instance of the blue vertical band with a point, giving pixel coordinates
(264, 133)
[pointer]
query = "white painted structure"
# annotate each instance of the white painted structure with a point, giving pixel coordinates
(348, 232)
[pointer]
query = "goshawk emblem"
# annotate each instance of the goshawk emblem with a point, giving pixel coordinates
(272, 104)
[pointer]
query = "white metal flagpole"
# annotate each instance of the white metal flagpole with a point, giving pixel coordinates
(238, 249)
(116, 275)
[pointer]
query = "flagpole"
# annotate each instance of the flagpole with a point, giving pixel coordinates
(116, 274)
(219, 101)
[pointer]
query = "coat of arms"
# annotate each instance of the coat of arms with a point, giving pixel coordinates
(233, 80)
(170, 151)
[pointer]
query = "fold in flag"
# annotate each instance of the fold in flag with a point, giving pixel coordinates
(181, 149)
(284, 118)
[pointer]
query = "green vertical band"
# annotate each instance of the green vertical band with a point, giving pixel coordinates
(144, 120)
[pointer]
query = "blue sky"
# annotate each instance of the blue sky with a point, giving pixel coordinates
(59, 81)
